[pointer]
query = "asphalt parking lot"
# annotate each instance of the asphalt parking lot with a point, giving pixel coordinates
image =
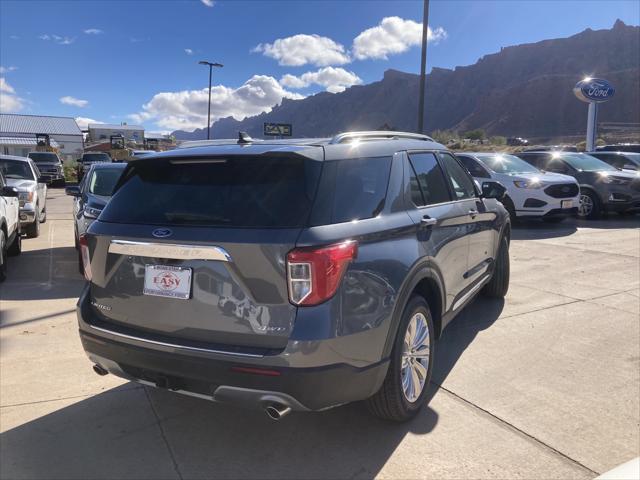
(543, 385)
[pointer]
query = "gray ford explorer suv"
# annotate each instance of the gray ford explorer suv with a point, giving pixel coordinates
(290, 275)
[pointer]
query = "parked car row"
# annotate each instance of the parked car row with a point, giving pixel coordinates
(23, 204)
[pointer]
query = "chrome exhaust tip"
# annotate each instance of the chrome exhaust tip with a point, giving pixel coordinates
(277, 411)
(100, 370)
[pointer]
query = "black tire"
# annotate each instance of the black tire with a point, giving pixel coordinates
(390, 402)
(499, 283)
(33, 230)
(3, 257)
(511, 209)
(16, 247)
(595, 211)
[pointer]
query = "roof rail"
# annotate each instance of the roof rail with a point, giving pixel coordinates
(378, 134)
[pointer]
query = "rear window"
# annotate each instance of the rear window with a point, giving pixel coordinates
(257, 192)
(44, 157)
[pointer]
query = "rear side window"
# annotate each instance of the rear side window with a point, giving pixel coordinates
(257, 192)
(428, 185)
(351, 189)
(460, 180)
(475, 169)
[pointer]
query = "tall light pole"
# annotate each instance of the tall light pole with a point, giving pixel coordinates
(423, 65)
(211, 65)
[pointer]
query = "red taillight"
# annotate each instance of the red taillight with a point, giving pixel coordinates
(86, 259)
(314, 274)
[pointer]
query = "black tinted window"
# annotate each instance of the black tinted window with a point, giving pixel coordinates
(361, 188)
(428, 185)
(351, 189)
(103, 180)
(461, 182)
(237, 192)
(474, 167)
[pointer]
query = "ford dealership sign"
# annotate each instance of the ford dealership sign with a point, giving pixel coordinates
(594, 90)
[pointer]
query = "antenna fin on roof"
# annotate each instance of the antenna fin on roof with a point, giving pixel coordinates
(244, 138)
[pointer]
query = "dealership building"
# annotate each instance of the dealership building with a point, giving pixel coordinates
(18, 134)
(103, 131)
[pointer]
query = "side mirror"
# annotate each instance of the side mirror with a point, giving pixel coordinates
(74, 191)
(493, 190)
(10, 192)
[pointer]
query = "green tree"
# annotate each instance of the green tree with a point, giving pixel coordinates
(477, 134)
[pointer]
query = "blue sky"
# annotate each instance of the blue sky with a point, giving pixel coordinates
(136, 61)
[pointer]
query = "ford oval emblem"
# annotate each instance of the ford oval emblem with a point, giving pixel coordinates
(594, 90)
(162, 232)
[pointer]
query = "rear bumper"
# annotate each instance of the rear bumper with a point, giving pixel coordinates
(224, 377)
(622, 204)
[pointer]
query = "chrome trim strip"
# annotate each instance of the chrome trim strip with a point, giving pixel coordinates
(464, 298)
(171, 345)
(169, 250)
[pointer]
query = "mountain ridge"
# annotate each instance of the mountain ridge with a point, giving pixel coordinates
(522, 90)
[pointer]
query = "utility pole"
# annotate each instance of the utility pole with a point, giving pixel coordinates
(211, 65)
(423, 65)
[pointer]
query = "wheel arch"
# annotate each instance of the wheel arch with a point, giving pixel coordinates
(425, 280)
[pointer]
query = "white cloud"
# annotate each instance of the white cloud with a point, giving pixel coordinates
(187, 109)
(83, 122)
(57, 39)
(8, 69)
(393, 35)
(93, 31)
(9, 102)
(188, 51)
(208, 3)
(5, 87)
(333, 79)
(302, 49)
(76, 102)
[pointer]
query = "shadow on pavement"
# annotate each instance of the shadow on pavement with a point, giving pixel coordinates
(611, 221)
(43, 274)
(116, 435)
(458, 335)
(539, 230)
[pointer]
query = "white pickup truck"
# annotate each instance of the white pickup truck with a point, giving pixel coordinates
(10, 234)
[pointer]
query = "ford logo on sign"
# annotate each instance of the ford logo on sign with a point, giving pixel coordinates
(161, 232)
(594, 90)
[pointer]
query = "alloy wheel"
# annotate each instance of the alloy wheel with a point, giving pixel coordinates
(586, 206)
(415, 357)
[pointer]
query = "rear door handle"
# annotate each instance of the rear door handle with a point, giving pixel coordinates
(473, 212)
(427, 221)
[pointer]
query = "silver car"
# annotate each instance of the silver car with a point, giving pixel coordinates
(22, 173)
(91, 195)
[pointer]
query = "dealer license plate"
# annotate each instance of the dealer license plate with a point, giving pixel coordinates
(167, 281)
